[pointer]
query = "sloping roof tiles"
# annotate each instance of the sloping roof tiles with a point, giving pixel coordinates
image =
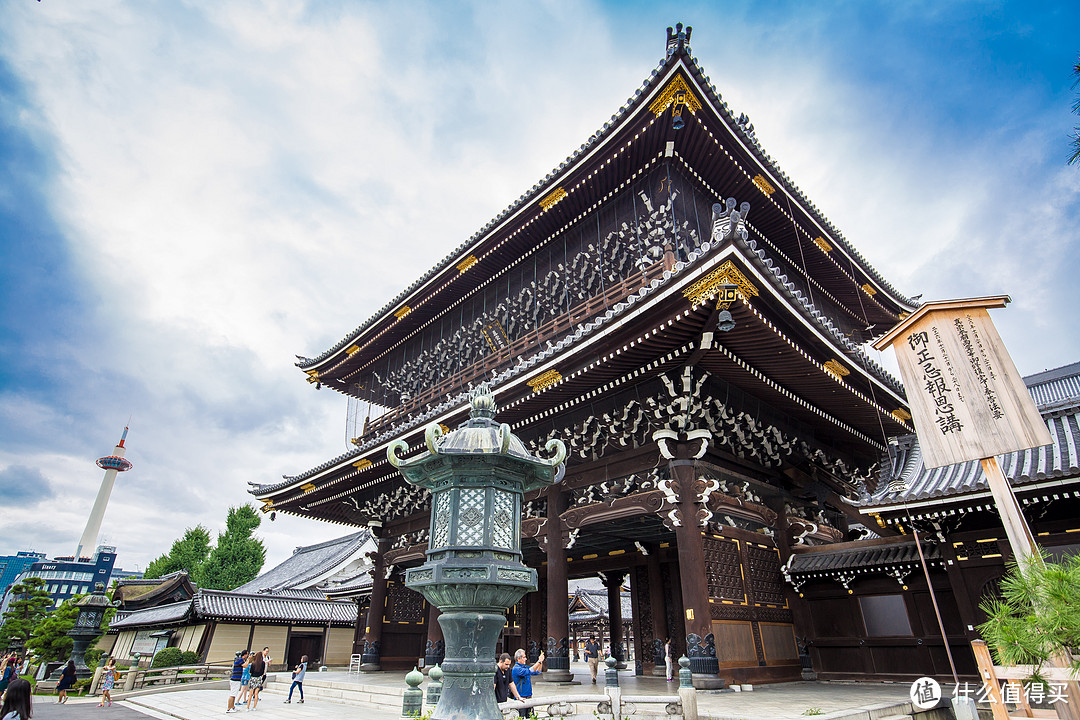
(877, 556)
(545, 185)
(306, 564)
(1057, 394)
(220, 605)
(160, 615)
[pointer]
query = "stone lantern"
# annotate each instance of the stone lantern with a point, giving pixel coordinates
(477, 475)
(87, 627)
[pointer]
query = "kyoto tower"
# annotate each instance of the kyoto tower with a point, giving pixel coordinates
(111, 464)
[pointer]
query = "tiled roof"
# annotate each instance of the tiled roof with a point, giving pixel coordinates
(355, 586)
(220, 605)
(1056, 392)
(597, 603)
(757, 256)
(876, 556)
(160, 615)
(542, 187)
(306, 564)
(1061, 385)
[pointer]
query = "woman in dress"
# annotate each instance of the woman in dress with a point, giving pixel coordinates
(258, 675)
(108, 679)
(67, 679)
(17, 703)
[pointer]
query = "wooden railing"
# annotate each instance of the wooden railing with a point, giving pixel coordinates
(554, 329)
(1058, 684)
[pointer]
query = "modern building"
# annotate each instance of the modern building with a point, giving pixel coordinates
(64, 577)
(11, 566)
(669, 304)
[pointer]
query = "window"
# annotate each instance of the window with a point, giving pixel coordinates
(885, 615)
(63, 590)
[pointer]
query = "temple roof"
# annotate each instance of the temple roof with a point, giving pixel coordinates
(308, 565)
(173, 613)
(859, 283)
(854, 556)
(220, 605)
(1056, 394)
(822, 332)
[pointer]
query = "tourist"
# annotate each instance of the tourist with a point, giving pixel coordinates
(592, 656)
(245, 680)
(258, 675)
(234, 679)
(67, 679)
(7, 673)
(523, 673)
(108, 679)
(504, 680)
(298, 679)
(669, 664)
(17, 702)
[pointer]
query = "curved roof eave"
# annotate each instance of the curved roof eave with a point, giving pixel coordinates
(538, 190)
(768, 271)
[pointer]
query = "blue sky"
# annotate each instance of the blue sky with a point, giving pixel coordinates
(191, 193)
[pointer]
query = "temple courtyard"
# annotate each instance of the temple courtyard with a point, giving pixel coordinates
(827, 700)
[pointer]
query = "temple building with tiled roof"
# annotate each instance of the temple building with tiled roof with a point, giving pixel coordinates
(288, 607)
(675, 309)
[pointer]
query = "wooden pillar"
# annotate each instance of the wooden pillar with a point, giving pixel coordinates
(435, 650)
(613, 581)
(373, 630)
(697, 618)
(661, 632)
(558, 593)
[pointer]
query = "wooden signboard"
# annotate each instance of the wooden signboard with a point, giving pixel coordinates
(967, 400)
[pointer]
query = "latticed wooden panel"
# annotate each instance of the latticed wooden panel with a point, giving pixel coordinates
(723, 569)
(403, 604)
(764, 578)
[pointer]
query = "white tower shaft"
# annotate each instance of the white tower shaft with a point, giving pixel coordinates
(88, 541)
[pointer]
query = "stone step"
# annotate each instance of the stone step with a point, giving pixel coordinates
(345, 693)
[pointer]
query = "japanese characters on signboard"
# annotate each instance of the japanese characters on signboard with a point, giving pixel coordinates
(967, 400)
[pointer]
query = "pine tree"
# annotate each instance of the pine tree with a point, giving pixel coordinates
(1037, 615)
(30, 603)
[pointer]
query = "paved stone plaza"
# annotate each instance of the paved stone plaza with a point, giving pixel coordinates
(826, 700)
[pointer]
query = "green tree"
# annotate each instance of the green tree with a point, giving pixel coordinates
(1076, 109)
(30, 603)
(49, 639)
(238, 556)
(1037, 615)
(187, 553)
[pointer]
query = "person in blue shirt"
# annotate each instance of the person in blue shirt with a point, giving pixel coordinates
(523, 673)
(234, 679)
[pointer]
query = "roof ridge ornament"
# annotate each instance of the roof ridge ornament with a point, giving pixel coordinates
(678, 42)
